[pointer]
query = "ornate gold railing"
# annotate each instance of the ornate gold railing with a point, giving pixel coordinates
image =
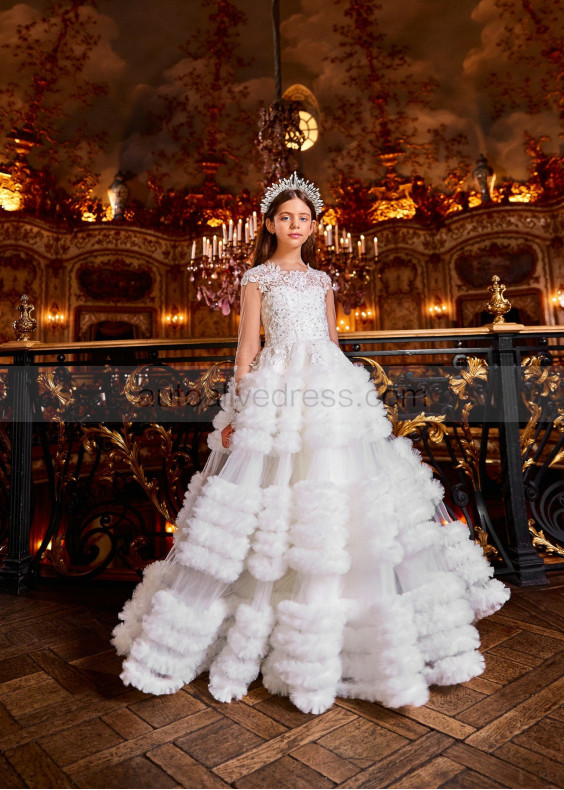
(99, 440)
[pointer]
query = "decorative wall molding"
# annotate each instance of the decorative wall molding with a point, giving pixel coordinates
(417, 264)
(141, 321)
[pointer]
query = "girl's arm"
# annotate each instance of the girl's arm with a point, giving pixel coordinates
(331, 316)
(248, 344)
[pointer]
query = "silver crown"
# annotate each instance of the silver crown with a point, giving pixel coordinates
(294, 182)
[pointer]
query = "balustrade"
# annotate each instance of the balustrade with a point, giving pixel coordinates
(99, 440)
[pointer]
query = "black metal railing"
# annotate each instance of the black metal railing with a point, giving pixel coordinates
(99, 440)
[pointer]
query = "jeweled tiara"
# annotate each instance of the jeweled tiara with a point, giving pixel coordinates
(294, 182)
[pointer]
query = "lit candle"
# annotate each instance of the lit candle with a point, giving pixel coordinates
(336, 232)
(362, 245)
(359, 249)
(240, 229)
(204, 248)
(349, 242)
(230, 230)
(330, 235)
(247, 232)
(375, 246)
(214, 245)
(193, 251)
(224, 229)
(325, 237)
(220, 247)
(254, 221)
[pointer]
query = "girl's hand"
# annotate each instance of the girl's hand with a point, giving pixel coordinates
(226, 435)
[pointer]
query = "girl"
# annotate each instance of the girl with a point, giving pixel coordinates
(313, 547)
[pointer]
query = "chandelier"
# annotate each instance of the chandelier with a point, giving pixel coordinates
(218, 262)
(218, 266)
(348, 263)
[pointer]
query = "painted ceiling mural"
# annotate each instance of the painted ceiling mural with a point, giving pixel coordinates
(151, 88)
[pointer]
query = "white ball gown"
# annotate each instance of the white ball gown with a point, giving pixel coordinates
(313, 550)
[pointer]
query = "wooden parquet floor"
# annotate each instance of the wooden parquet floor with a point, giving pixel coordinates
(67, 721)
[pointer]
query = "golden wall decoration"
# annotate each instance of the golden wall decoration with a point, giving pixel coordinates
(45, 260)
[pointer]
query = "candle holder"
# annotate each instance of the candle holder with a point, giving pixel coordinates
(217, 267)
(175, 319)
(558, 298)
(347, 263)
(438, 308)
(55, 319)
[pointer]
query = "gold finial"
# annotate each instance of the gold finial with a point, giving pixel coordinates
(498, 304)
(25, 324)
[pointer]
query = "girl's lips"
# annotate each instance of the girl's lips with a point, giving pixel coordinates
(295, 235)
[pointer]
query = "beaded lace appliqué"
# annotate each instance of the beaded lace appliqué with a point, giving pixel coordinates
(293, 310)
(269, 274)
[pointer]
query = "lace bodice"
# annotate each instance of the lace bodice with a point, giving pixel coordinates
(293, 303)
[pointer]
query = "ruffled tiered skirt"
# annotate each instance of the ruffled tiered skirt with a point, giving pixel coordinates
(315, 551)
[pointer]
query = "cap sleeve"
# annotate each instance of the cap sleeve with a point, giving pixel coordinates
(252, 275)
(326, 281)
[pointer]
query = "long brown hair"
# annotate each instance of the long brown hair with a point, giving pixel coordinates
(265, 245)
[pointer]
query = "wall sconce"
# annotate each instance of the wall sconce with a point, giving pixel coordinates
(363, 316)
(55, 319)
(558, 298)
(438, 309)
(174, 319)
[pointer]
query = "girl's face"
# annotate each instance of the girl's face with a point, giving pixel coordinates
(292, 223)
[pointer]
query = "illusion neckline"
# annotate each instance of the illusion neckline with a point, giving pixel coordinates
(287, 271)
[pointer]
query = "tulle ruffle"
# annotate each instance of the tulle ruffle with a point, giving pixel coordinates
(313, 551)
